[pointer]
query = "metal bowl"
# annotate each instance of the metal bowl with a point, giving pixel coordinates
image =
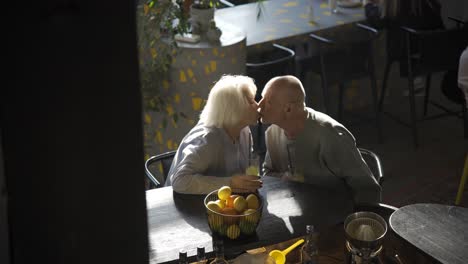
(365, 230)
(233, 226)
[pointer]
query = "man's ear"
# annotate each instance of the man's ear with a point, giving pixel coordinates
(287, 108)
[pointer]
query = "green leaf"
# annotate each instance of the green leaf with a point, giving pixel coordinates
(183, 115)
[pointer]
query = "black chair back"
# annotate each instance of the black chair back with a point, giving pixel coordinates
(345, 56)
(264, 65)
(152, 168)
(425, 52)
(436, 50)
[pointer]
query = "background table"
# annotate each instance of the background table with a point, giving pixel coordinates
(285, 19)
(178, 221)
(286, 22)
(440, 231)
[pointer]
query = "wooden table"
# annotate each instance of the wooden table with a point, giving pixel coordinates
(440, 231)
(178, 221)
(285, 19)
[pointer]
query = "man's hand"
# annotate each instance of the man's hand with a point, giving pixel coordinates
(245, 183)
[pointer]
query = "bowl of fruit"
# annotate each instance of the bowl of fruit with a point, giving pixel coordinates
(233, 215)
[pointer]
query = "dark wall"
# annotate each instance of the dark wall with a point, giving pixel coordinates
(4, 237)
(72, 134)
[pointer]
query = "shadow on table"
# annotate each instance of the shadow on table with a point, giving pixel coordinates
(192, 209)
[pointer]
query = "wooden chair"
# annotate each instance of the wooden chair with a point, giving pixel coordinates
(155, 176)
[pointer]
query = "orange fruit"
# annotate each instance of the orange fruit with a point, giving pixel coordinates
(229, 211)
(230, 200)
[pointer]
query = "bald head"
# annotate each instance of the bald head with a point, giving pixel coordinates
(286, 89)
(283, 104)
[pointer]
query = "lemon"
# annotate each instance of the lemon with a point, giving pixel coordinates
(251, 215)
(252, 201)
(221, 203)
(215, 221)
(224, 192)
(233, 231)
(213, 206)
(240, 204)
(252, 170)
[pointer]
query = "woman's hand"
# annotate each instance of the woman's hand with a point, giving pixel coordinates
(245, 183)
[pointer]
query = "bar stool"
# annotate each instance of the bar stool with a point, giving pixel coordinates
(461, 186)
(343, 58)
(426, 52)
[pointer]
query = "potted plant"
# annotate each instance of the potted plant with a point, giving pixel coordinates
(202, 16)
(158, 22)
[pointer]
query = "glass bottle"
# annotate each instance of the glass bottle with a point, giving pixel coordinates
(219, 252)
(332, 4)
(309, 251)
(183, 256)
(201, 256)
(310, 11)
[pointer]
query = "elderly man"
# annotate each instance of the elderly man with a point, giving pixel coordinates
(309, 146)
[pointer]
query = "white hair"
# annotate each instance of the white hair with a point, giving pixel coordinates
(227, 102)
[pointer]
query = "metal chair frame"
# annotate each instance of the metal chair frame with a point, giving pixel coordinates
(378, 174)
(265, 71)
(329, 47)
(158, 158)
(416, 40)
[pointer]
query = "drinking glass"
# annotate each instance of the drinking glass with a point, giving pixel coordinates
(254, 165)
(332, 4)
(294, 173)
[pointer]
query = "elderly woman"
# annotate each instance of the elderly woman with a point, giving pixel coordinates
(216, 151)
